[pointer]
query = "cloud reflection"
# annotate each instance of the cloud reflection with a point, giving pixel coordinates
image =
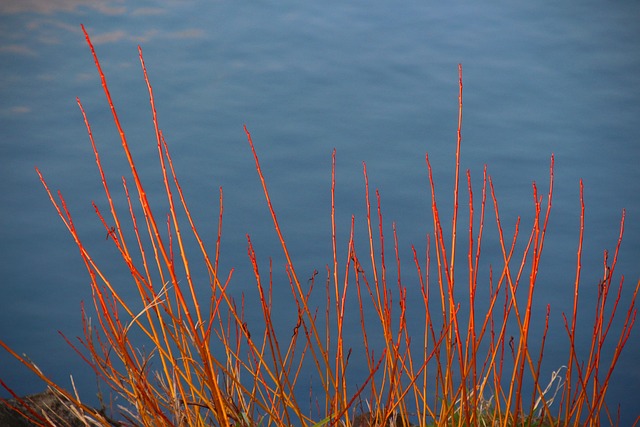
(114, 7)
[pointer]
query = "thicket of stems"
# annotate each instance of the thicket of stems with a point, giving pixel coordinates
(205, 365)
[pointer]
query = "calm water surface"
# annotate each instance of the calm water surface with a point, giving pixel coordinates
(378, 82)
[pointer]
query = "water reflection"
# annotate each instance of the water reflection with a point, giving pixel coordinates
(377, 82)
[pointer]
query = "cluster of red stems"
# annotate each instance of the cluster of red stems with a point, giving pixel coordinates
(207, 369)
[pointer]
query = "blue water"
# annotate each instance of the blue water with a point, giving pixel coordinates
(376, 81)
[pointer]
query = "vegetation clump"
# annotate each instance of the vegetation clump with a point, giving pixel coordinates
(206, 365)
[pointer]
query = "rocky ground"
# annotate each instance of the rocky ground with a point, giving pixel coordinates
(47, 407)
